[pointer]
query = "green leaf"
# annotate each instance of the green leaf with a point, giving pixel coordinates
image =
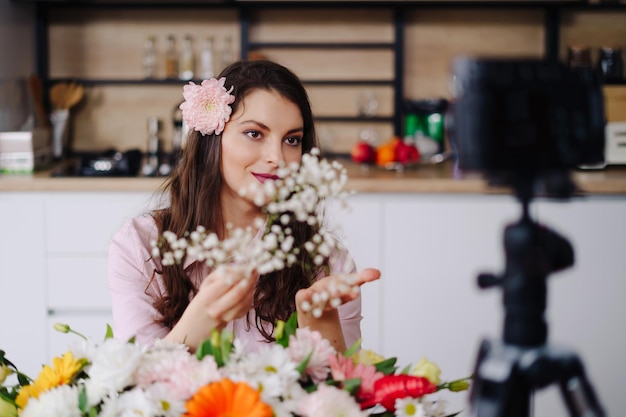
(82, 400)
(352, 385)
(288, 329)
(302, 365)
(406, 369)
(354, 348)
(226, 345)
(387, 366)
(23, 379)
(109, 332)
(204, 349)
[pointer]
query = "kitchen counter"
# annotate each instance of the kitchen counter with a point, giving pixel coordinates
(439, 178)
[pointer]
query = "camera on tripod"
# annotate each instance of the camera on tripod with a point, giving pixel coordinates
(527, 119)
(526, 124)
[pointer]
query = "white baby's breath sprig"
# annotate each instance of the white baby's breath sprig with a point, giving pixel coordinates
(296, 196)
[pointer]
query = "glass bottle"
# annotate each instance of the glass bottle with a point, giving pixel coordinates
(149, 58)
(171, 58)
(227, 55)
(610, 64)
(187, 62)
(206, 59)
(151, 164)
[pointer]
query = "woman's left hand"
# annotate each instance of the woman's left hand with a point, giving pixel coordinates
(330, 292)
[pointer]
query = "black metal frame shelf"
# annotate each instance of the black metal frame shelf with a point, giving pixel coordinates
(177, 82)
(374, 119)
(552, 22)
(321, 45)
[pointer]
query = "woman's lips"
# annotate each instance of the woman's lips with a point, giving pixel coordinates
(264, 177)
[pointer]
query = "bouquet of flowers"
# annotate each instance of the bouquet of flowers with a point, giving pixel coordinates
(295, 196)
(299, 375)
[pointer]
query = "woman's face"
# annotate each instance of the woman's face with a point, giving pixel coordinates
(265, 131)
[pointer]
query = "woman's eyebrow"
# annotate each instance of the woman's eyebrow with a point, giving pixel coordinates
(263, 126)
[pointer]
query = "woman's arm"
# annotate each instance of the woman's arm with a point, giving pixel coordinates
(317, 305)
(225, 295)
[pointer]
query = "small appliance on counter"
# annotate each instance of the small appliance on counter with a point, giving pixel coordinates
(23, 152)
(110, 163)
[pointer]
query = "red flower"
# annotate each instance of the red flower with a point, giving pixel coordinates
(389, 388)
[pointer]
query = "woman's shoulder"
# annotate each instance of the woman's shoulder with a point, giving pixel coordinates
(139, 229)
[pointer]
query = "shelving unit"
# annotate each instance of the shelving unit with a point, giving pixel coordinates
(245, 12)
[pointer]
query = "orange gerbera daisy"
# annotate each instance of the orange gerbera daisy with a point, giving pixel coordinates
(226, 398)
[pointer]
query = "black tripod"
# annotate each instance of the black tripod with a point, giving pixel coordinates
(507, 371)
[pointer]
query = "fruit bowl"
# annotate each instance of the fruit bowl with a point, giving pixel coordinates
(424, 161)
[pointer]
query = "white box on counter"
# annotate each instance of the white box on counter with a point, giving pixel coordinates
(24, 151)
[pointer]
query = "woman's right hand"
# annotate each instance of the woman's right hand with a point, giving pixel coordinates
(224, 295)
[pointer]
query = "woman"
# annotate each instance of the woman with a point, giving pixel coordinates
(258, 118)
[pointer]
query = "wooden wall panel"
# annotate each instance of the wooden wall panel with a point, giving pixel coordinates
(434, 38)
(593, 29)
(118, 116)
(109, 43)
(323, 25)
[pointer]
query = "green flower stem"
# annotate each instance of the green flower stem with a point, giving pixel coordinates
(65, 328)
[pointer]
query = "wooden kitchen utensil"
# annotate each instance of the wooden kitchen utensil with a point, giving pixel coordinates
(66, 95)
(36, 91)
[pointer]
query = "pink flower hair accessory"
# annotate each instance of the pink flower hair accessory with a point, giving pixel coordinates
(206, 108)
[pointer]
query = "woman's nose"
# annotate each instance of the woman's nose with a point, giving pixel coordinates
(274, 152)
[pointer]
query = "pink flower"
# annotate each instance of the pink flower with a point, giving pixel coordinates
(306, 342)
(181, 373)
(343, 368)
(206, 108)
(329, 401)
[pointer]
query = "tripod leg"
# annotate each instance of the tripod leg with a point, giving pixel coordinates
(577, 391)
(498, 389)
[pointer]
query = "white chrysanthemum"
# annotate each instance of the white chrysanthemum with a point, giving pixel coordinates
(329, 401)
(409, 407)
(135, 402)
(114, 364)
(270, 369)
(170, 405)
(61, 401)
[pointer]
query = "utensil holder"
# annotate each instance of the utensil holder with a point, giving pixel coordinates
(59, 120)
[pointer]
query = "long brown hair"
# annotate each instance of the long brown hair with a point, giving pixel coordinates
(194, 189)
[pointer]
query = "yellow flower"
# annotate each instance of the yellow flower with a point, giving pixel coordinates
(62, 372)
(226, 398)
(366, 357)
(428, 370)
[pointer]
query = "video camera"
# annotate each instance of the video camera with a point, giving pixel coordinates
(526, 123)
(526, 117)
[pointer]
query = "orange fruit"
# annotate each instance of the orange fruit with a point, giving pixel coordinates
(386, 152)
(385, 155)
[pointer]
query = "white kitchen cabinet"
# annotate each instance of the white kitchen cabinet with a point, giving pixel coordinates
(359, 225)
(586, 306)
(79, 227)
(22, 281)
(429, 247)
(434, 246)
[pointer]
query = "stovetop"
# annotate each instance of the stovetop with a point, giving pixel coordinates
(109, 163)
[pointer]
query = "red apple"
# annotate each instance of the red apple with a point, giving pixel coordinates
(363, 153)
(407, 153)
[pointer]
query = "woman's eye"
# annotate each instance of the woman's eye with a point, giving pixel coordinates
(254, 134)
(293, 140)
